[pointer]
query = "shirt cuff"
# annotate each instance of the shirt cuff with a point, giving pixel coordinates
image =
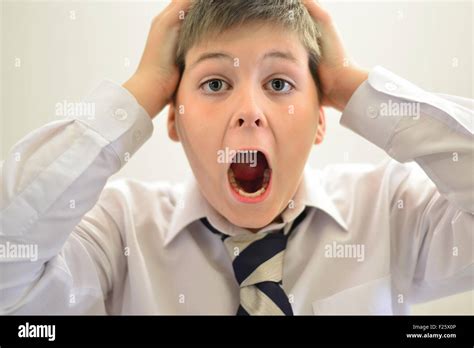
(380, 103)
(118, 118)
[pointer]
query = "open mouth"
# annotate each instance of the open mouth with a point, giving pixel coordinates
(250, 177)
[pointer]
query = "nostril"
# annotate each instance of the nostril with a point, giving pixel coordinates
(242, 121)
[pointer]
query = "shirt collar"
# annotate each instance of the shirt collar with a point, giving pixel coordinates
(193, 206)
(312, 193)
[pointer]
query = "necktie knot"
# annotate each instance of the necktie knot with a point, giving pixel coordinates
(257, 259)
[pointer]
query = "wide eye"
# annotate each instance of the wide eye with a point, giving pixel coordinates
(280, 85)
(213, 86)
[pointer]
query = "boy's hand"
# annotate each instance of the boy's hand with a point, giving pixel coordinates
(157, 76)
(338, 75)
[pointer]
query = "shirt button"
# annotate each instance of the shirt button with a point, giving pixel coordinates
(120, 114)
(372, 111)
(390, 86)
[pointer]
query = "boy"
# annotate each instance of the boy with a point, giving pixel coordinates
(256, 232)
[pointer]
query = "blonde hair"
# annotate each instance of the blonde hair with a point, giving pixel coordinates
(208, 18)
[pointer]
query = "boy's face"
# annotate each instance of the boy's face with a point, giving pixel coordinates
(257, 99)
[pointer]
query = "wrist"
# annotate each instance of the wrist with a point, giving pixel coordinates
(147, 92)
(345, 87)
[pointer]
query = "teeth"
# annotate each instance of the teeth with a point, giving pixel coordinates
(232, 178)
(266, 176)
(235, 185)
(253, 194)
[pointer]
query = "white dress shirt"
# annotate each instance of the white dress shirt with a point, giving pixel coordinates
(376, 239)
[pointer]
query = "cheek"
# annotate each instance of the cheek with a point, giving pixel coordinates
(190, 121)
(307, 116)
(308, 125)
(203, 120)
(298, 121)
(200, 136)
(200, 128)
(296, 136)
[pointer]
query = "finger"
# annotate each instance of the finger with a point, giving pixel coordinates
(316, 11)
(181, 4)
(176, 11)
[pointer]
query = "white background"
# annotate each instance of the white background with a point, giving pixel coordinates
(66, 48)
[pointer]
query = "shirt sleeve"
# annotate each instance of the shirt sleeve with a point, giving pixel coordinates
(432, 214)
(50, 179)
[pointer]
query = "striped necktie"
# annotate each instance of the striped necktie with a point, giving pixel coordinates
(257, 260)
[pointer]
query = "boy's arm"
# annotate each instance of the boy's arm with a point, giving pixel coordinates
(432, 235)
(432, 209)
(52, 179)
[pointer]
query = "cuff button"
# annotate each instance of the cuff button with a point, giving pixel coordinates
(120, 114)
(372, 111)
(390, 86)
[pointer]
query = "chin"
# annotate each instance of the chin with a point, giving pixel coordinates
(251, 218)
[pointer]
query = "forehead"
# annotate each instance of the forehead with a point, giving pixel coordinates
(251, 42)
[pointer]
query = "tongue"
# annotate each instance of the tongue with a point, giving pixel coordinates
(244, 171)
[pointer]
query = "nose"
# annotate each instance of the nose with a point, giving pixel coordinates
(249, 114)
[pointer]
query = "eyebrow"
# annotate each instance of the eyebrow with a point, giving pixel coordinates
(211, 55)
(226, 56)
(280, 54)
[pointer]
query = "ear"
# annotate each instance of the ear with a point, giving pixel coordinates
(321, 127)
(172, 132)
